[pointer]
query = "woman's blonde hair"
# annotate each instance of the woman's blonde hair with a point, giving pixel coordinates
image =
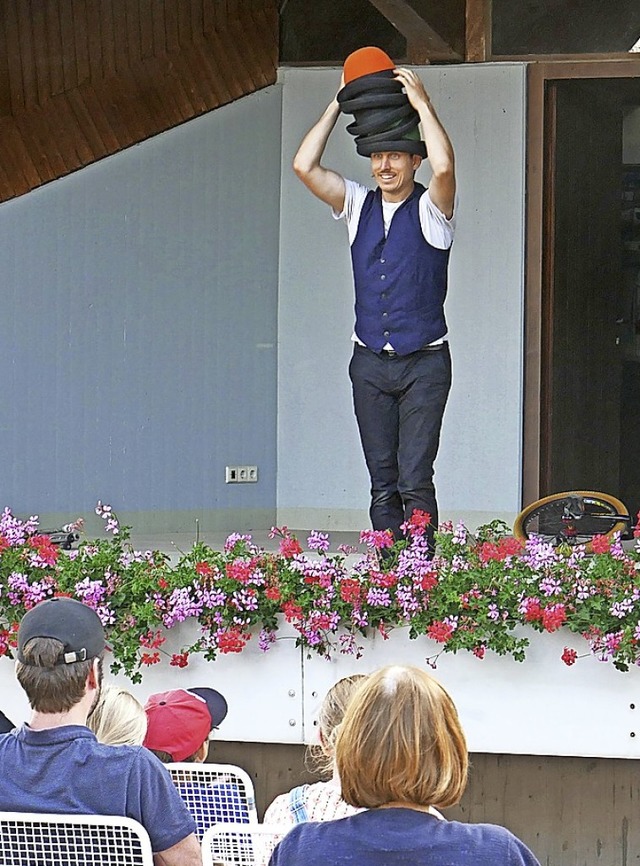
(321, 755)
(401, 741)
(118, 719)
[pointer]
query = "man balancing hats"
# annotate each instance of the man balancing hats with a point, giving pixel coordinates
(400, 236)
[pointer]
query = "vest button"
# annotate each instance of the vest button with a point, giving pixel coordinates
(384, 315)
(382, 261)
(383, 294)
(386, 334)
(383, 277)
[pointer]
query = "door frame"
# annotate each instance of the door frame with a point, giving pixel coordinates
(539, 264)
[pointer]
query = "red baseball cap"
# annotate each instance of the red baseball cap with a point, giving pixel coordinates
(179, 722)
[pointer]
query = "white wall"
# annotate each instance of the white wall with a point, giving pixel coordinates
(536, 707)
(322, 478)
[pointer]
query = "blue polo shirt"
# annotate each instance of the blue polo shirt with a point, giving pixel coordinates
(400, 837)
(66, 770)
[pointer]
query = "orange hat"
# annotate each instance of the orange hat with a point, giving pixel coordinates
(366, 61)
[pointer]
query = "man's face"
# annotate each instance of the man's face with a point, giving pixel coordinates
(393, 172)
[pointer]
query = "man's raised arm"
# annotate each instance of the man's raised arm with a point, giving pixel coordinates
(327, 185)
(442, 187)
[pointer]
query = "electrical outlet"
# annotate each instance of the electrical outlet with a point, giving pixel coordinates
(240, 474)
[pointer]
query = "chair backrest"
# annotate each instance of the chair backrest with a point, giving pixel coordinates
(215, 793)
(72, 840)
(241, 844)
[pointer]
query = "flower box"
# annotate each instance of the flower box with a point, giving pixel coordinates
(539, 647)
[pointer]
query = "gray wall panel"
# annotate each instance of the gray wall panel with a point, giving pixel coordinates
(139, 325)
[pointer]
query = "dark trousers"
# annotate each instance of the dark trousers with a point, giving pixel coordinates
(399, 403)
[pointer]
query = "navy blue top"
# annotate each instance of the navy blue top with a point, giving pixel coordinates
(66, 770)
(400, 280)
(215, 803)
(400, 837)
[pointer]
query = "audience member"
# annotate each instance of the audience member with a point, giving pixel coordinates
(399, 751)
(320, 801)
(55, 763)
(118, 719)
(179, 724)
(6, 724)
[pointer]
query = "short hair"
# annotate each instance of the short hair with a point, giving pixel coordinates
(401, 741)
(321, 756)
(166, 758)
(118, 718)
(52, 687)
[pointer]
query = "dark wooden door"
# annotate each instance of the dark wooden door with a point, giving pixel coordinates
(581, 372)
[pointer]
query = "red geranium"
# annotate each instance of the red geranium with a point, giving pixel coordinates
(180, 660)
(600, 544)
(350, 590)
(290, 547)
(553, 617)
(232, 641)
(440, 631)
(272, 593)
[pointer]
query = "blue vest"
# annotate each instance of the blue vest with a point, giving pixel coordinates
(400, 280)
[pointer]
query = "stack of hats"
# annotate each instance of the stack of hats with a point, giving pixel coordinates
(385, 120)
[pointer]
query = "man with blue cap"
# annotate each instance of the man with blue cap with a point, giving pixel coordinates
(55, 763)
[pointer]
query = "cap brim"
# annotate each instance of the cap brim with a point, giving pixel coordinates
(216, 703)
(404, 145)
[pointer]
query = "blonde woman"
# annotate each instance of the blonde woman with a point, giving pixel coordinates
(320, 801)
(400, 750)
(118, 719)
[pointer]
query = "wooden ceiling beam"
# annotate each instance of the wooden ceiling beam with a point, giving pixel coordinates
(477, 31)
(423, 43)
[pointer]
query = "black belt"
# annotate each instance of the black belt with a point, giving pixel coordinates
(391, 353)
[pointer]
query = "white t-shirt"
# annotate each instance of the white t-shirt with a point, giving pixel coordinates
(436, 228)
(322, 801)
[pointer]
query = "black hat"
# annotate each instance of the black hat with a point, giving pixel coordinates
(385, 120)
(73, 623)
(215, 702)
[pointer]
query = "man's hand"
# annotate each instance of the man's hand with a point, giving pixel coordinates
(414, 88)
(442, 188)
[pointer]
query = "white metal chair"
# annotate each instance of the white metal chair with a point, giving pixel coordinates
(28, 839)
(215, 793)
(241, 844)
